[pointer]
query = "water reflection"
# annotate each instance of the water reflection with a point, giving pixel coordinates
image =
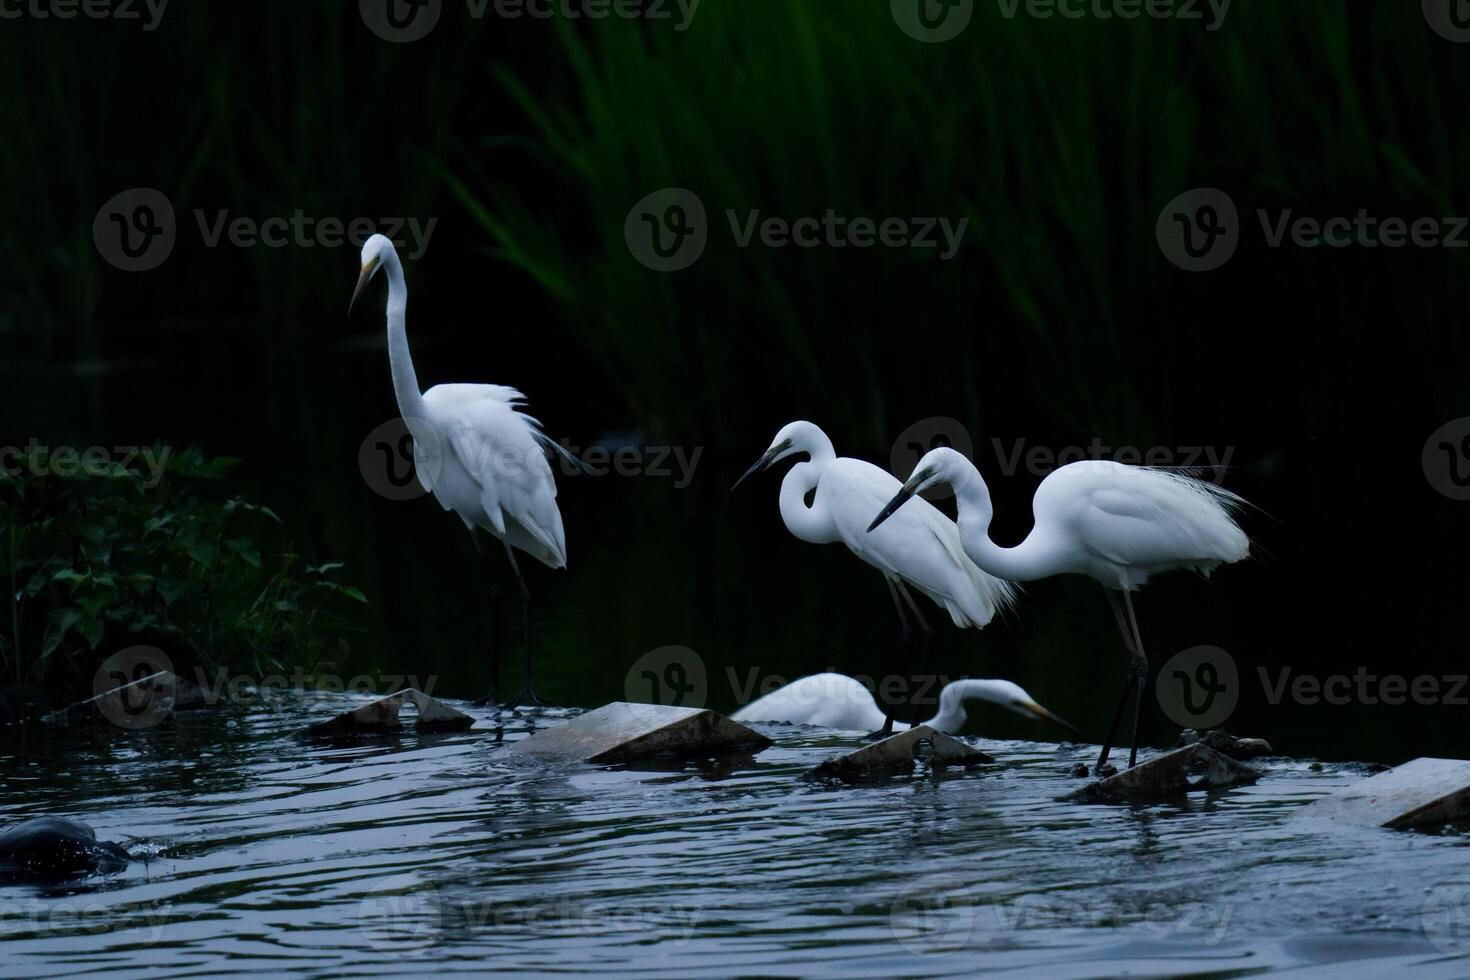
(267, 852)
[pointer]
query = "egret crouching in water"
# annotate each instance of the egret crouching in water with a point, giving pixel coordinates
(922, 548)
(1115, 523)
(495, 474)
(838, 701)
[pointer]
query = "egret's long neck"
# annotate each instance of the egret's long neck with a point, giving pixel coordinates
(1023, 563)
(812, 523)
(405, 381)
(951, 718)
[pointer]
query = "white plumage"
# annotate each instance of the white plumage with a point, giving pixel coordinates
(1117, 524)
(474, 449)
(833, 700)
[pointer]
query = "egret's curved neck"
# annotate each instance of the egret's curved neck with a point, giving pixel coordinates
(814, 523)
(951, 718)
(405, 381)
(1026, 562)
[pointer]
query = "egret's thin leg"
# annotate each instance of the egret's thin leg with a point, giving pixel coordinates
(1140, 666)
(527, 697)
(1130, 678)
(492, 697)
(903, 645)
(926, 635)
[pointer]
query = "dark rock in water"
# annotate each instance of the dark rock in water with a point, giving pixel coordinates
(1079, 771)
(52, 848)
(1239, 749)
(1167, 776)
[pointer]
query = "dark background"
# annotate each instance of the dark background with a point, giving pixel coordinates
(1324, 370)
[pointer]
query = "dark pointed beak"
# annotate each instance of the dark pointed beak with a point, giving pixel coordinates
(1036, 710)
(760, 464)
(898, 501)
(362, 281)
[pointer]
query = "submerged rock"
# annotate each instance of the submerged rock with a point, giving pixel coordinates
(900, 752)
(623, 732)
(53, 848)
(1168, 776)
(382, 716)
(1239, 749)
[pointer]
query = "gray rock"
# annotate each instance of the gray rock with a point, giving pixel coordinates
(898, 753)
(382, 716)
(1239, 749)
(624, 732)
(1423, 793)
(1168, 776)
(54, 848)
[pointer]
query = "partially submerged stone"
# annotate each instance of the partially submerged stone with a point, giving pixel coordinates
(624, 732)
(382, 716)
(1168, 776)
(1423, 793)
(54, 848)
(1239, 749)
(898, 753)
(143, 703)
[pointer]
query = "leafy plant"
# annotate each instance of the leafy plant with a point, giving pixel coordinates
(95, 558)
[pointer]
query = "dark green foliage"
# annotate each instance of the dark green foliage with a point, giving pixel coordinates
(97, 558)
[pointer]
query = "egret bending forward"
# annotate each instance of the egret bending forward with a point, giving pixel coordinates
(495, 475)
(1115, 523)
(838, 701)
(921, 549)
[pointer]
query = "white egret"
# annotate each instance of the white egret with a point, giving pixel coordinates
(922, 550)
(838, 701)
(1115, 523)
(495, 475)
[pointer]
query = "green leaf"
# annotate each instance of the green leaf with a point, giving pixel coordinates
(59, 623)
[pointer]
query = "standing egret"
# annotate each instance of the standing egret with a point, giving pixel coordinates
(923, 550)
(496, 475)
(1115, 523)
(838, 701)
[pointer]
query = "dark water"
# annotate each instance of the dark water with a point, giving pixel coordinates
(414, 853)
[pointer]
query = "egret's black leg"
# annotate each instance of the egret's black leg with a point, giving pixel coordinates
(527, 697)
(926, 635)
(1140, 667)
(903, 646)
(492, 698)
(1130, 679)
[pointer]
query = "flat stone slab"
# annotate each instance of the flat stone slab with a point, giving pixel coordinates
(898, 752)
(143, 703)
(625, 732)
(382, 716)
(1425, 792)
(1168, 776)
